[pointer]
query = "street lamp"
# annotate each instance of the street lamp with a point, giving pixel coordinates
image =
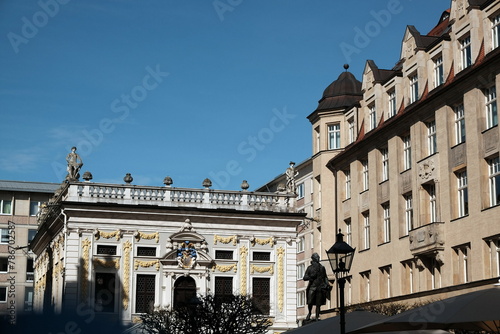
(340, 256)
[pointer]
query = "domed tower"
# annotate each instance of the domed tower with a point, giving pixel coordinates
(330, 130)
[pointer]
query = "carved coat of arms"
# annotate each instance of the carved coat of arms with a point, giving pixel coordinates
(186, 255)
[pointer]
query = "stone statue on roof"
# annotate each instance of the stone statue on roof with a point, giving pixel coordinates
(75, 163)
(291, 173)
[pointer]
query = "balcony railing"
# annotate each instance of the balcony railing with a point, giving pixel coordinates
(427, 239)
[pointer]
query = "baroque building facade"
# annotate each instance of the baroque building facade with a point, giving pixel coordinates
(19, 206)
(122, 250)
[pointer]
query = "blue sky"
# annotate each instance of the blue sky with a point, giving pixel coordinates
(189, 89)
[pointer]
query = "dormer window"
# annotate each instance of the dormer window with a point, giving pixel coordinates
(438, 71)
(392, 103)
(495, 32)
(373, 117)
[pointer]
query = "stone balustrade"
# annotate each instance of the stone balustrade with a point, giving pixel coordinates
(170, 196)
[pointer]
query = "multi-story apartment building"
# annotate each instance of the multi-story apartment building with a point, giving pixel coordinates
(19, 204)
(418, 186)
(119, 250)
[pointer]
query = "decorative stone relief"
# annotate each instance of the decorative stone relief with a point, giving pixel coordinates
(262, 242)
(107, 263)
(254, 268)
(107, 235)
(127, 248)
(281, 278)
(147, 264)
(225, 268)
(426, 170)
(225, 240)
(148, 236)
(84, 273)
(243, 268)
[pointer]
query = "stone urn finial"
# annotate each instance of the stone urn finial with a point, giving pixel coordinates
(128, 178)
(245, 185)
(87, 176)
(167, 181)
(207, 183)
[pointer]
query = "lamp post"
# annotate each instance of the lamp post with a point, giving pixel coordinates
(340, 256)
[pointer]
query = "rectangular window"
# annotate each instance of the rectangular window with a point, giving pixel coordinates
(318, 146)
(413, 88)
(4, 265)
(431, 193)
(301, 269)
(300, 191)
(300, 244)
(406, 152)
(333, 136)
(145, 293)
(34, 207)
(301, 299)
(431, 137)
(495, 32)
(261, 292)
(347, 184)
(31, 235)
(5, 236)
(462, 263)
(491, 107)
(366, 230)
(385, 282)
(407, 277)
(463, 196)
(106, 250)
(5, 207)
(223, 289)
(352, 133)
(261, 256)
(494, 180)
(387, 222)
(438, 71)
(459, 124)
(223, 254)
(385, 164)
(28, 299)
(392, 104)
(3, 294)
(105, 292)
(29, 270)
(465, 52)
(365, 286)
(146, 251)
(348, 231)
(408, 213)
(372, 117)
(365, 175)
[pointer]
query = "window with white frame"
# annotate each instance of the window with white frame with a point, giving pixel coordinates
(392, 104)
(385, 283)
(407, 277)
(408, 198)
(333, 136)
(347, 184)
(494, 180)
(4, 236)
(438, 71)
(385, 164)
(372, 116)
(318, 141)
(463, 196)
(459, 124)
(300, 244)
(491, 107)
(365, 286)
(301, 298)
(365, 175)
(387, 222)
(413, 88)
(5, 206)
(300, 190)
(462, 263)
(431, 137)
(431, 195)
(34, 207)
(495, 32)
(352, 133)
(301, 269)
(366, 230)
(465, 52)
(348, 231)
(406, 152)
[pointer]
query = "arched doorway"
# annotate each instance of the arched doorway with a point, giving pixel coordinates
(184, 291)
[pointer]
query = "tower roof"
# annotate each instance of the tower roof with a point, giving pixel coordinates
(343, 92)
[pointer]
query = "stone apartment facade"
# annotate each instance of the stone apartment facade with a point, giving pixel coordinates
(119, 250)
(19, 205)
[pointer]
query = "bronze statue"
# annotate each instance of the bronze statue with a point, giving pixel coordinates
(75, 163)
(318, 289)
